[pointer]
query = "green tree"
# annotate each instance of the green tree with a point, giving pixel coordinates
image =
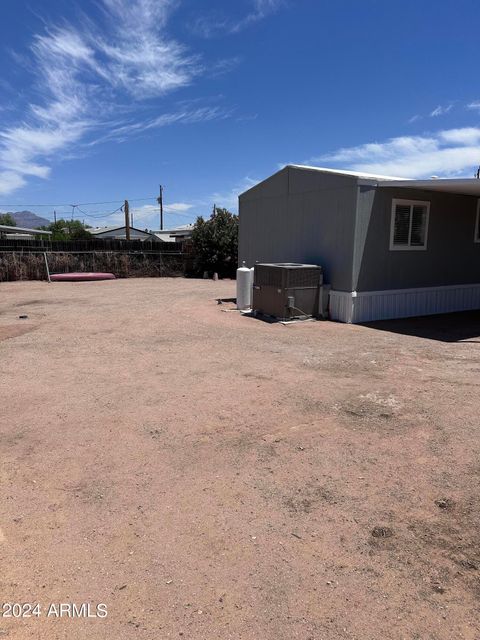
(215, 243)
(68, 230)
(7, 219)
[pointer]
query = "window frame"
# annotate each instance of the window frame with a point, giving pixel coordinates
(476, 237)
(411, 204)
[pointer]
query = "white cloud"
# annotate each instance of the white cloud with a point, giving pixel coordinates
(441, 110)
(261, 9)
(177, 213)
(229, 199)
(474, 106)
(223, 67)
(62, 118)
(87, 75)
(178, 207)
(182, 116)
(10, 181)
(147, 215)
(140, 58)
(447, 153)
(467, 136)
(209, 26)
(247, 118)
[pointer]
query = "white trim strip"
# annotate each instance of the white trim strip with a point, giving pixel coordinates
(365, 306)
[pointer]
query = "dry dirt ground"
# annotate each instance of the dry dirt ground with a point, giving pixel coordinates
(212, 476)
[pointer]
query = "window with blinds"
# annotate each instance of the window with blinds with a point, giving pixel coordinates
(409, 224)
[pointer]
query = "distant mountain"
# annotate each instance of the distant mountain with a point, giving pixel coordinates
(29, 219)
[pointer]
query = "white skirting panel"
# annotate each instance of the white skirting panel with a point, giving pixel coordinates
(364, 306)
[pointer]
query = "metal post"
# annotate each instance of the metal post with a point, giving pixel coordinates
(160, 202)
(46, 265)
(127, 220)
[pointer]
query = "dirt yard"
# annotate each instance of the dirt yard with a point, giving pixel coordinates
(211, 476)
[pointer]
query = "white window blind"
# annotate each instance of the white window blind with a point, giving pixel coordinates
(409, 224)
(402, 224)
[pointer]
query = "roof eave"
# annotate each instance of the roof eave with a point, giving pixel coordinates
(458, 186)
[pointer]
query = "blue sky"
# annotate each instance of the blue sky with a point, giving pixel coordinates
(102, 100)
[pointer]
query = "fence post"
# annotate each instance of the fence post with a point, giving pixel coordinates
(46, 265)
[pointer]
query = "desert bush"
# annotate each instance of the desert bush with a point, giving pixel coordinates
(31, 266)
(215, 243)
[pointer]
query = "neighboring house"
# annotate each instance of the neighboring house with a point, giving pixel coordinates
(179, 234)
(390, 247)
(21, 233)
(119, 233)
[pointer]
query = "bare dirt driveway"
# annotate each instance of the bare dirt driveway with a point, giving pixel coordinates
(211, 476)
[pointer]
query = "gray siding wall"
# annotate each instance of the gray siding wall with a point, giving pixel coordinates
(299, 215)
(451, 257)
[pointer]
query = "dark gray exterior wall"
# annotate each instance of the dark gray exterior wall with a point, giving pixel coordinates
(452, 257)
(343, 224)
(301, 215)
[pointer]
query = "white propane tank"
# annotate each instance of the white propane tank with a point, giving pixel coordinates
(244, 287)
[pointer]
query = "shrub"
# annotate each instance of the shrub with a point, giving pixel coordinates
(215, 243)
(8, 220)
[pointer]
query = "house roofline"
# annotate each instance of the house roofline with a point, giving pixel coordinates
(96, 232)
(360, 175)
(6, 227)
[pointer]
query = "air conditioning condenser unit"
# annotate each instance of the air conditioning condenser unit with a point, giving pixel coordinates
(287, 290)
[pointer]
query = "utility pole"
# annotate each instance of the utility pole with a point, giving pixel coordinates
(127, 220)
(55, 216)
(160, 202)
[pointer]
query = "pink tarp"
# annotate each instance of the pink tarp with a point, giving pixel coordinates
(78, 277)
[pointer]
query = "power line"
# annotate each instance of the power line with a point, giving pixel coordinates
(138, 216)
(80, 204)
(191, 217)
(88, 213)
(105, 215)
(98, 214)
